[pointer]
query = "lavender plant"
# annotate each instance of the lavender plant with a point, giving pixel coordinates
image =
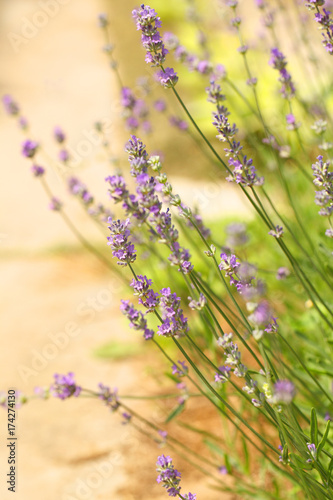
(249, 311)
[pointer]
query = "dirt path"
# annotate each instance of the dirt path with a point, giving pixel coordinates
(75, 449)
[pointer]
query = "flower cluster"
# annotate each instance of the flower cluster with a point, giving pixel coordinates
(170, 477)
(323, 179)
(243, 171)
(146, 204)
(233, 359)
(64, 386)
(325, 24)
(192, 61)
(122, 248)
(136, 318)
(284, 392)
(174, 323)
(135, 111)
(278, 61)
(29, 148)
(11, 107)
(77, 188)
(147, 297)
(110, 398)
(149, 22)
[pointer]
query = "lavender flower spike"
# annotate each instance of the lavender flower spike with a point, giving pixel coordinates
(149, 22)
(168, 475)
(29, 148)
(122, 248)
(10, 105)
(284, 391)
(64, 386)
(278, 61)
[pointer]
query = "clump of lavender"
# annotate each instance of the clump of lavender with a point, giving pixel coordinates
(149, 22)
(278, 61)
(122, 248)
(323, 179)
(64, 386)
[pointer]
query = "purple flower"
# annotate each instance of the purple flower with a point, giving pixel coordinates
(244, 172)
(282, 273)
(64, 386)
(278, 61)
(137, 155)
(55, 204)
(223, 374)
(180, 372)
(168, 78)
(63, 155)
(229, 264)
(109, 397)
(148, 22)
(118, 190)
(284, 391)
(136, 318)
(178, 123)
(77, 188)
(59, 135)
(103, 20)
(236, 234)
(29, 148)
(23, 123)
(122, 248)
(312, 449)
(37, 171)
(223, 470)
(326, 24)
(197, 305)
(11, 107)
(323, 179)
(42, 392)
(204, 67)
(277, 232)
(148, 298)
(171, 40)
(160, 105)
(174, 322)
(127, 98)
(168, 475)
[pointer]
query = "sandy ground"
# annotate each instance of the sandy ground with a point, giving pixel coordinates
(75, 449)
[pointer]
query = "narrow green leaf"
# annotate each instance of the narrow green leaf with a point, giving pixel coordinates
(174, 413)
(323, 439)
(214, 447)
(314, 427)
(227, 463)
(246, 456)
(330, 468)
